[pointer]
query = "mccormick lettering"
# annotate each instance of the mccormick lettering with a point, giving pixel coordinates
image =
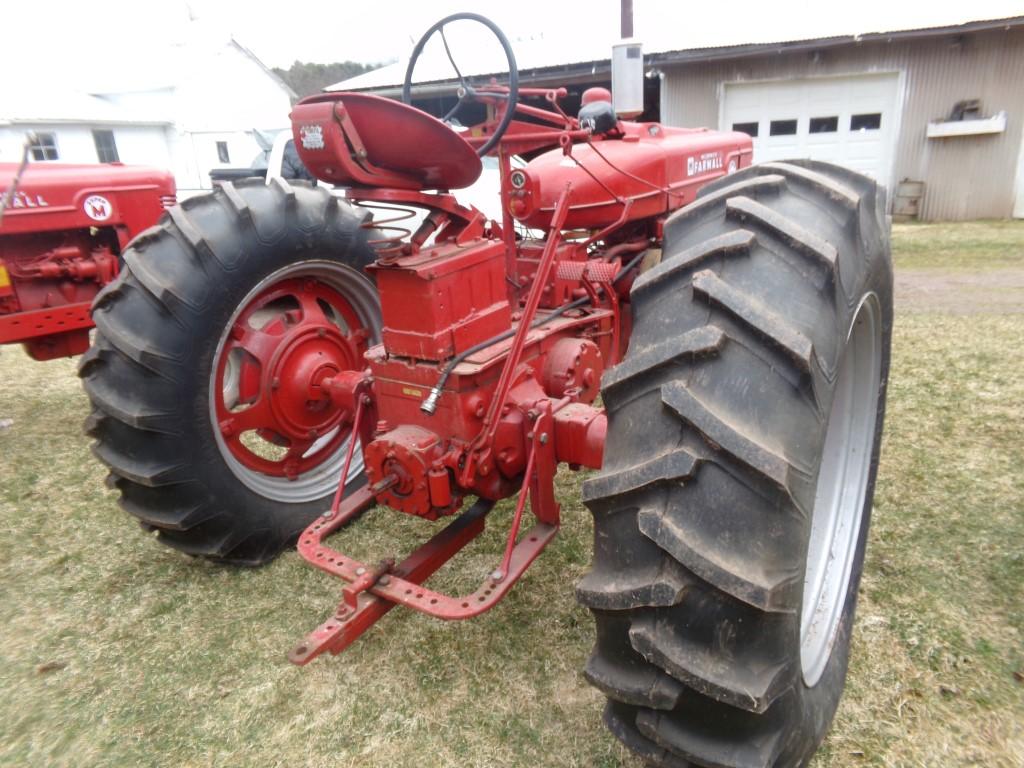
(709, 161)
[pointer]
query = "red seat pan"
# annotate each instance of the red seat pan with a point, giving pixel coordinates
(407, 141)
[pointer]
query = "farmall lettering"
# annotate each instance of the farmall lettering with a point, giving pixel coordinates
(709, 161)
(24, 200)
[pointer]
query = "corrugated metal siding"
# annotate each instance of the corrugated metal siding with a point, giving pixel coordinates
(965, 177)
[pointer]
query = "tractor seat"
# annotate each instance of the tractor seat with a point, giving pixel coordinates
(359, 140)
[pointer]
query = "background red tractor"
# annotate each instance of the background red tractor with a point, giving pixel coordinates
(62, 230)
(273, 361)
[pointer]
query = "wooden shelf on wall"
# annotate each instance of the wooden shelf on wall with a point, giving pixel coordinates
(945, 129)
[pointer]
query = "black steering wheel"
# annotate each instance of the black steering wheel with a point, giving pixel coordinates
(466, 91)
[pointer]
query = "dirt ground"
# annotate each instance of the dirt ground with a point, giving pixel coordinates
(957, 292)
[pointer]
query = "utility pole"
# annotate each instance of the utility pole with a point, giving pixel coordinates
(626, 23)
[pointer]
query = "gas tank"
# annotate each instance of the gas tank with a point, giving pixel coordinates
(649, 171)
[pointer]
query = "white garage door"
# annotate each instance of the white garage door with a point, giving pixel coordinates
(846, 120)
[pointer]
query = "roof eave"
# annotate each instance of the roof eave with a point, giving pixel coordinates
(796, 46)
(278, 80)
(558, 75)
(81, 121)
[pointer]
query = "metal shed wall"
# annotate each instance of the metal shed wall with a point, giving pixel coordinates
(966, 177)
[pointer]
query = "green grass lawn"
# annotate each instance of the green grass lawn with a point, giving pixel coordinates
(969, 245)
(115, 651)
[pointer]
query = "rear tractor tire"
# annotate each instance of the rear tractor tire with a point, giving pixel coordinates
(204, 371)
(732, 510)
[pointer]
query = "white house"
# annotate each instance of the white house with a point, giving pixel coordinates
(190, 108)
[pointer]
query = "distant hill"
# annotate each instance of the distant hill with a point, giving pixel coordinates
(306, 78)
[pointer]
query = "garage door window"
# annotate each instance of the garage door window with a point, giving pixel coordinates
(849, 119)
(867, 122)
(748, 128)
(824, 124)
(782, 128)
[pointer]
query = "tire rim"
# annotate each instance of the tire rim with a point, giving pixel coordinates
(842, 486)
(276, 430)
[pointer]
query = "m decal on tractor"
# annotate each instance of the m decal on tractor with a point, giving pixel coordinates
(97, 207)
(713, 348)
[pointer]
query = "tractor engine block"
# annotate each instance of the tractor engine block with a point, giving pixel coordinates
(452, 301)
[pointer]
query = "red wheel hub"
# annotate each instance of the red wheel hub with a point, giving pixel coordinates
(271, 410)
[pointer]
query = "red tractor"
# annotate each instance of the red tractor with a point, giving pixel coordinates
(273, 361)
(62, 232)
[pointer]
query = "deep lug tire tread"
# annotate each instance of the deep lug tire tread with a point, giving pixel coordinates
(149, 417)
(702, 510)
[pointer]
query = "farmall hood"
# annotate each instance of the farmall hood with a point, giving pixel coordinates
(55, 196)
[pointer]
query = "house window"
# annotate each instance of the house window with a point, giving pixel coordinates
(106, 149)
(43, 146)
(222, 152)
(748, 128)
(824, 124)
(868, 122)
(782, 128)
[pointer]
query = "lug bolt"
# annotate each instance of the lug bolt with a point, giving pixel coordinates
(543, 438)
(276, 383)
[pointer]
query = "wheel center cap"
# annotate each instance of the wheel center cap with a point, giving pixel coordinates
(303, 360)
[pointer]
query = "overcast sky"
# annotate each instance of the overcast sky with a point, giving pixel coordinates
(68, 38)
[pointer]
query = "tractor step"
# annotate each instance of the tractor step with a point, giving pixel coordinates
(371, 592)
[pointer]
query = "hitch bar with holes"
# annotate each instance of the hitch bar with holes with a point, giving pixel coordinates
(372, 592)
